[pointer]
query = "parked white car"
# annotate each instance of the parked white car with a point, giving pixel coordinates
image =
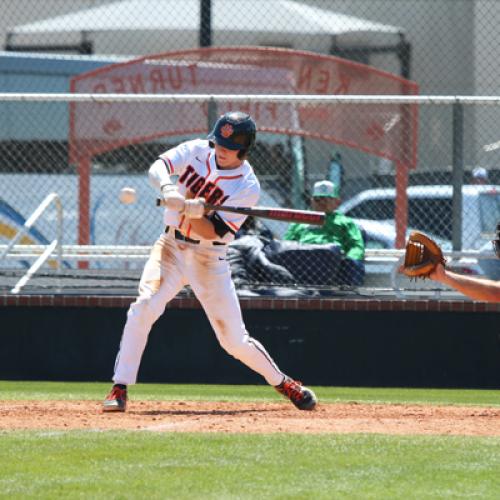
(381, 235)
(430, 210)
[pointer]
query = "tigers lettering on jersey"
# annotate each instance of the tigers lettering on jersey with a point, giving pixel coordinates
(194, 165)
(198, 186)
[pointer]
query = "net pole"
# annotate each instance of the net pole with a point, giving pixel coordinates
(84, 163)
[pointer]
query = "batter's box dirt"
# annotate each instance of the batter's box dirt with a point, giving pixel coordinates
(180, 416)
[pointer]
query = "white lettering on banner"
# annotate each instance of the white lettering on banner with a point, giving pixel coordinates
(153, 81)
(388, 131)
(122, 121)
(322, 80)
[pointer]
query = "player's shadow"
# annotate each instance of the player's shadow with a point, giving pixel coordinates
(202, 412)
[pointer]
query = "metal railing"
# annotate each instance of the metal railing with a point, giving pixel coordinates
(84, 252)
(394, 258)
(389, 260)
(46, 251)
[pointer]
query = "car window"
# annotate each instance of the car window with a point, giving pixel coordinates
(489, 209)
(431, 215)
(373, 209)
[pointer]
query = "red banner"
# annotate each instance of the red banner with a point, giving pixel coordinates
(385, 130)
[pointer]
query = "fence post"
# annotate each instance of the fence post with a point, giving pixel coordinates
(205, 23)
(84, 168)
(457, 174)
(212, 114)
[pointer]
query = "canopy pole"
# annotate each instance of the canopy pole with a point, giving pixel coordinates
(205, 23)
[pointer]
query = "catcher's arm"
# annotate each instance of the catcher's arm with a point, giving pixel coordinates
(475, 288)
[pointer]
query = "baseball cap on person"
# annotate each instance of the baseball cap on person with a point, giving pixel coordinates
(480, 173)
(325, 189)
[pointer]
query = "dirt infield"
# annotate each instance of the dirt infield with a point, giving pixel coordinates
(189, 416)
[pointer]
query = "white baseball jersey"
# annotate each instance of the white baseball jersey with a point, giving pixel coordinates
(194, 164)
(175, 262)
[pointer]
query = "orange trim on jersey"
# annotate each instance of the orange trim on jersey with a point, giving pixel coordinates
(168, 164)
(229, 178)
(234, 226)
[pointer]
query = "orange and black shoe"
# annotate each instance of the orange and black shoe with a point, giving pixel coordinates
(302, 397)
(116, 400)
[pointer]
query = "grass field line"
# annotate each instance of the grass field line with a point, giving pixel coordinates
(169, 426)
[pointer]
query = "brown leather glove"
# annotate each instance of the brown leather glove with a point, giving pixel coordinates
(422, 255)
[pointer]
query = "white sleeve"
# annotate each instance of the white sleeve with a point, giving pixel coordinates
(171, 162)
(175, 160)
(158, 174)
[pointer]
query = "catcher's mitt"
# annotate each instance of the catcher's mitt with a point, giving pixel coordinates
(422, 255)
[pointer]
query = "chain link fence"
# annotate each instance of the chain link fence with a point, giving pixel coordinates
(430, 165)
(462, 219)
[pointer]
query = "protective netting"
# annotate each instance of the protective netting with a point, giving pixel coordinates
(389, 131)
(87, 151)
(288, 166)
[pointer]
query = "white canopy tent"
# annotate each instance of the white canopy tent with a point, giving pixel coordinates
(138, 27)
(286, 16)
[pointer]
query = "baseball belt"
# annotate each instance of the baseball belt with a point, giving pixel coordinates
(179, 236)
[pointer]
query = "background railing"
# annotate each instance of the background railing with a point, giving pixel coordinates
(43, 256)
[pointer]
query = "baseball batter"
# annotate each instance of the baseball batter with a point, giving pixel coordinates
(192, 251)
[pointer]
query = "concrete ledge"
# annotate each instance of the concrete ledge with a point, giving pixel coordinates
(264, 303)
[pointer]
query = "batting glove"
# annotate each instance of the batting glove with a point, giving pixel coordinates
(173, 200)
(194, 209)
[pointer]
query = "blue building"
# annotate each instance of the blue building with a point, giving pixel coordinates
(24, 72)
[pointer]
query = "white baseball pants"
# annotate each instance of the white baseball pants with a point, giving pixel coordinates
(172, 265)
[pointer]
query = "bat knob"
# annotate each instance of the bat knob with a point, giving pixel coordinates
(158, 202)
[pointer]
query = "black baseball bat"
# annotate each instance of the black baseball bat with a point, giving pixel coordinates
(281, 214)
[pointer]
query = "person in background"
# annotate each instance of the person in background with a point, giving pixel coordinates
(480, 176)
(338, 229)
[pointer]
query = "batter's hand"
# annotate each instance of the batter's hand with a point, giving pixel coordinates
(194, 209)
(173, 199)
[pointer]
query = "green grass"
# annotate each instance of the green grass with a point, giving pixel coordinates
(15, 390)
(145, 464)
(154, 465)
